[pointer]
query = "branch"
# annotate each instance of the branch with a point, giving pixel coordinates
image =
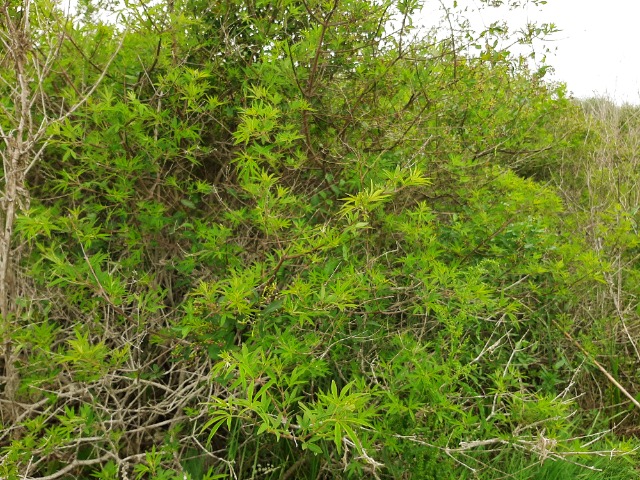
(72, 465)
(95, 85)
(600, 367)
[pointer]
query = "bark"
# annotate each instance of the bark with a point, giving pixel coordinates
(17, 143)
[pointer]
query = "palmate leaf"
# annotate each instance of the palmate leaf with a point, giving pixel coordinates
(412, 177)
(315, 201)
(213, 425)
(336, 413)
(364, 201)
(37, 221)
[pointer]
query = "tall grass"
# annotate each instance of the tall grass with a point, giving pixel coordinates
(599, 178)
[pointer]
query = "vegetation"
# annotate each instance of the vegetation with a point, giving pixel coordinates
(277, 240)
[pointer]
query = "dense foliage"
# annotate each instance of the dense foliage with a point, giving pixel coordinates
(276, 240)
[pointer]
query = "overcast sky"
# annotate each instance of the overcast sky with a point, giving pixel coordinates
(596, 53)
(597, 50)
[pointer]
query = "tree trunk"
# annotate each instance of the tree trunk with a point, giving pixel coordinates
(17, 143)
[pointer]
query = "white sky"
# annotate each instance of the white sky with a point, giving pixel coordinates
(596, 53)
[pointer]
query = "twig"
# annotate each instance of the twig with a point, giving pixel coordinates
(72, 465)
(600, 367)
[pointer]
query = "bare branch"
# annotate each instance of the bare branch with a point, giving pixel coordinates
(96, 84)
(73, 465)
